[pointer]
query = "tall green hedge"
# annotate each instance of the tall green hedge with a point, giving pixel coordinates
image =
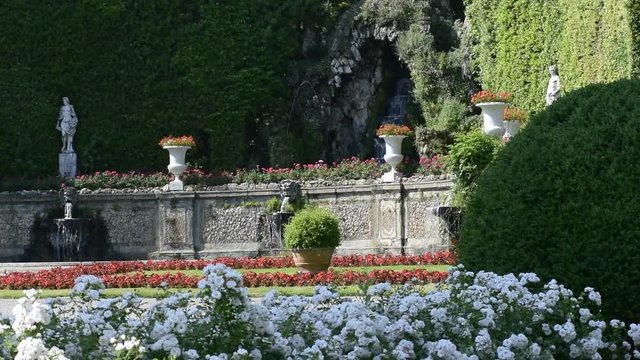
(517, 40)
(634, 13)
(136, 71)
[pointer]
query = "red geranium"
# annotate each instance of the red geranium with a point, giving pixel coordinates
(488, 95)
(177, 141)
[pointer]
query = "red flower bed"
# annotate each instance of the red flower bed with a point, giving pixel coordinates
(51, 280)
(129, 273)
(252, 279)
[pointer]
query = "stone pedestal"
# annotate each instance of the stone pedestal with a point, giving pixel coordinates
(67, 164)
(391, 176)
(176, 185)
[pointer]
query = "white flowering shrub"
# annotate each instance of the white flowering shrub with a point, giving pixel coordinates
(471, 316)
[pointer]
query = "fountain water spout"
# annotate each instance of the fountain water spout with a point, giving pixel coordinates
(68, 209)
(69, 235)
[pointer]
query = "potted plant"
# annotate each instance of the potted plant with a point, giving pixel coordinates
(177, 147)
(492, 105)
(312, 236)
(393, 135)
(513, 119)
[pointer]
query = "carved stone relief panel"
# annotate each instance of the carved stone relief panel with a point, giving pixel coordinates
(355, 218)
(231, 225)
(388, 216)
(130, 226)
(417, 216)
(15, 227)
(175, 229)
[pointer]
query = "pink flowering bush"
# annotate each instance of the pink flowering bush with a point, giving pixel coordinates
(116, 180)
(348, 169)
(434, 165)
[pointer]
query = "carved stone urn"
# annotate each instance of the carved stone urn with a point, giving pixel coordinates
(493, 116)
(511, 128)
(177, 165)
(392, 156)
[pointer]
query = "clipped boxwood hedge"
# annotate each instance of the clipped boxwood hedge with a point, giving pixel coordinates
(563, 198)
(312, 228)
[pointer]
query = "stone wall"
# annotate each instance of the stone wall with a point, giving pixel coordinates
(374, 218)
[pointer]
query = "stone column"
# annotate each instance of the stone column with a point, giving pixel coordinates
(390, 227)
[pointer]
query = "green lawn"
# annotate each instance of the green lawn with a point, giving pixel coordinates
(293, 270)
(351, 290)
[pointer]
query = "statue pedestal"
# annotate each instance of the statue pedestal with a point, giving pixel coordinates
(67, 165)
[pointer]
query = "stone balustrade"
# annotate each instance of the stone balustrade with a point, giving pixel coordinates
(374, 218)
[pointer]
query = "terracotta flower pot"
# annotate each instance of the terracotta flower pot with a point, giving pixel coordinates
(313, 260)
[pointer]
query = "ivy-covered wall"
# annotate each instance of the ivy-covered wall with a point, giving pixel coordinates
(136, 71)
(517, 40)
(634, 13)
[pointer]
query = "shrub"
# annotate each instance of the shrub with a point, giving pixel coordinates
(273, 204)
(468, 158)
(451, 115)
(562, 199)
(312, 228)
(433, 165)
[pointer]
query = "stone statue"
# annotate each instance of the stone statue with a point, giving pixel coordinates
(289, 191)
(553, 90)
(67, 123)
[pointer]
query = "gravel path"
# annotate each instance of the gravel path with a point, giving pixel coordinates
(6, 305)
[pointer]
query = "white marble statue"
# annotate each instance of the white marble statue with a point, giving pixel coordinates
(553, 89)
(67, 123)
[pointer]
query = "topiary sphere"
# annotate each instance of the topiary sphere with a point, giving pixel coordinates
(563, 199)
(311, 228)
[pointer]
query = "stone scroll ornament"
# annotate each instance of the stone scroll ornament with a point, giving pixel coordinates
(553, 89)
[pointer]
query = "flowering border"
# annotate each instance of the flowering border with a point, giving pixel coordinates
(21, 281)
(129, 273)
(472, 316)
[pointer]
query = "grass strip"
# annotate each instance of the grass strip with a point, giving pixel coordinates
(350, 290)
(294, 270)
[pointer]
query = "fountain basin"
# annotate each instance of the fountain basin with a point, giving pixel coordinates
(68, 238)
